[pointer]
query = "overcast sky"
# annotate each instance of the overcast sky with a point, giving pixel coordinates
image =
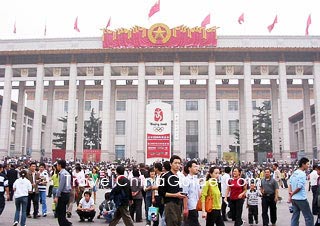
(59, 15)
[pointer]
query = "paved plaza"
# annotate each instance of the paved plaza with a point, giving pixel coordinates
(7, 217)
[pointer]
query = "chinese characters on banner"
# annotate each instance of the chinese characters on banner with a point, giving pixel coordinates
(158, 132)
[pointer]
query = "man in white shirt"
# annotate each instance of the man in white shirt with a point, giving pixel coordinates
(80, 182)
(313, 178)
(86, 209)
(191, 188)
(224, 185)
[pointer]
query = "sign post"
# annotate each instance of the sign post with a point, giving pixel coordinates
(158, 132)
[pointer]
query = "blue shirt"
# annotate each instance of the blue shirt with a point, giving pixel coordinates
(298, 180)
(191, 186)
(64, 182)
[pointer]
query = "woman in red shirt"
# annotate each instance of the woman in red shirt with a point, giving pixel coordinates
(237, 189)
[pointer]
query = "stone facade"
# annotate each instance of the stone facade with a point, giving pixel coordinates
(238, 72)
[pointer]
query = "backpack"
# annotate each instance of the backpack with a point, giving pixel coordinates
(119, 198)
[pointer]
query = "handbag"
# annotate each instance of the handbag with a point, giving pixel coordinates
(153, 213)
(208, 202)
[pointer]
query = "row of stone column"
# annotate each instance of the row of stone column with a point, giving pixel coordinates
(107, 145)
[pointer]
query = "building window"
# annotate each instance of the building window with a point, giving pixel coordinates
(192, 105)
(267, 103)
(233, 126)
(120, 152)
(218, 105)
(192, 146)
(120, 127)
(100, 105)
(254, 105)
(14, 116)
(219, 151)
(169, 102)
(87, 105)
(232, 105)
(192, 127)
(66, 104)
(121, 105)
(218, 127)
(30, 121)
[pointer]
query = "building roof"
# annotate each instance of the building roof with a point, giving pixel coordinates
(48, 45)
(299, 116)
(27, 112)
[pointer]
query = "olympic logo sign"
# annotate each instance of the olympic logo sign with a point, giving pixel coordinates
(158, 129)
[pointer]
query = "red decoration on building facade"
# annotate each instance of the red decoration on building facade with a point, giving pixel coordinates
(160, 35)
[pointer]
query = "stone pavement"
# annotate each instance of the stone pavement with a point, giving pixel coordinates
(6, 219)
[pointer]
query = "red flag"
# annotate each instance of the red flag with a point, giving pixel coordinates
(75, 26)
(206, 21)
(308, 24)
(14, 28)
(241, 19)
(109, 22)
(154, 9)
(271, 26)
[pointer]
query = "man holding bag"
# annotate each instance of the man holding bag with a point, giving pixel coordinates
(191, 188)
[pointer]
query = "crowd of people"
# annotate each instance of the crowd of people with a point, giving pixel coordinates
(171, 192)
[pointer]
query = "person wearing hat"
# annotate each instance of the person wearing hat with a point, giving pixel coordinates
(3, 188)
(21, 187)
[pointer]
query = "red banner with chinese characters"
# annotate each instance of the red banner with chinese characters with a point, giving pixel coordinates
(269, 155)
(160, 35)
(158, 146)
(92, 155)
(294, 155)
(58, 154)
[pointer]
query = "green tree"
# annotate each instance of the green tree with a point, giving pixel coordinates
(92, 132)
(262, 129)
(61, 138)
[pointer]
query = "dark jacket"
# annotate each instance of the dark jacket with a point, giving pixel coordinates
(12, 176)
(121, 193)
(37, 180)
(136, 187)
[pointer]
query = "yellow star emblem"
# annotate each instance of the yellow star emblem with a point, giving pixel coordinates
(159, 32)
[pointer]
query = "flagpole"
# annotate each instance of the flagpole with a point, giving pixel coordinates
(244, 30)
(45, 29)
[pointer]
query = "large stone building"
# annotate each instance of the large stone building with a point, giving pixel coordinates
(213, 91)
(20, 134)
(299, 133)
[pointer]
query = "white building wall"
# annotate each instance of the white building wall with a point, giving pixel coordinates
(203, 129)
(130, 139)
